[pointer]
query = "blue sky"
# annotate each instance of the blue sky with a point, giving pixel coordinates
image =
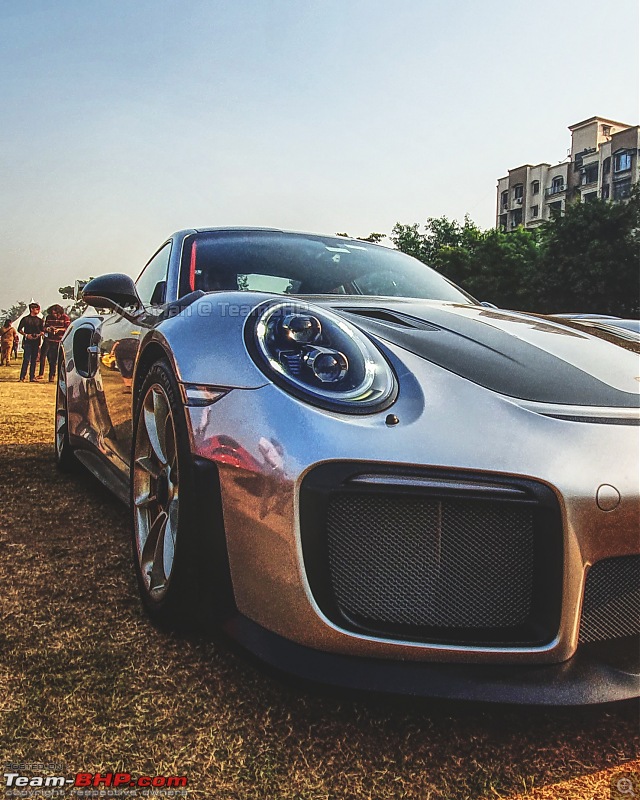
(124, 120)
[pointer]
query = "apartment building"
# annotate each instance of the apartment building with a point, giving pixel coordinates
(602, 162)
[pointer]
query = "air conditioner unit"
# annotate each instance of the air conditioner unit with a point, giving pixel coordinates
(519, 201)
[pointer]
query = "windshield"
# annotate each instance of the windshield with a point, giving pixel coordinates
(303, 264)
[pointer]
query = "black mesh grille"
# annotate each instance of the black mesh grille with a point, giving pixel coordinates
(611, 607)
(404, 560)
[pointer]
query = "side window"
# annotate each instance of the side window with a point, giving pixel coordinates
(152, 283)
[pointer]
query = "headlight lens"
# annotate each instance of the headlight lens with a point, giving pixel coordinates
(320, 357)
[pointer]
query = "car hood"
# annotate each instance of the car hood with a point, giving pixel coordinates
(525, 356)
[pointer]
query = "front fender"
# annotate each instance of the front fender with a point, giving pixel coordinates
(205, 341)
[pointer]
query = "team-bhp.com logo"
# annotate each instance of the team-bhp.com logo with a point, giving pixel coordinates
(90, 781)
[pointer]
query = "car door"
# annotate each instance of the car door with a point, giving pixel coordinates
(118, 348)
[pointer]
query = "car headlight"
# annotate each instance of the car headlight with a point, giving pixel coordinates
(320, 357)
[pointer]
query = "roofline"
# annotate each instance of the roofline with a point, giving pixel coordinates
(239, 228)
(530, 166)
(597, 119)
(256, 229)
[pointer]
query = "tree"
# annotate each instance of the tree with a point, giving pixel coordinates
(589, 260)
(13, 312)
(374, 238)
(504, 266)
(584, 261)
(409, 240)
(490, 265)
(75, 309)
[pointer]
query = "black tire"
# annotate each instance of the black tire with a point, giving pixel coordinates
(166, 540)
(65, 459)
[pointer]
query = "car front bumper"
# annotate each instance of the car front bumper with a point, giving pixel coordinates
(599, 673)
(272, 442)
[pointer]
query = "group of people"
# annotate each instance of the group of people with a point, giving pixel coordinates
(40, 341)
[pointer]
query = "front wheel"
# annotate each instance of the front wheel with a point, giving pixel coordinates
(65, 458)
(164, 532)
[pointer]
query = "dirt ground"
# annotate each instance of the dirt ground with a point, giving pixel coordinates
(87, 683)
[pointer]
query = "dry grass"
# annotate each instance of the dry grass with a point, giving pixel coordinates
(86, 681)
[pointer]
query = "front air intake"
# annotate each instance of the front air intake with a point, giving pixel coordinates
(611, 607)
(440, 563)
(433, 557)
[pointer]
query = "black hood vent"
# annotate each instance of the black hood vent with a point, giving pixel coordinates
(391, 318)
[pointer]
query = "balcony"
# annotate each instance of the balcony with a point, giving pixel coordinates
(556, 189)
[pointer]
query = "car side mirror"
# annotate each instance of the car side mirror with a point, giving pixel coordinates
(116, 291)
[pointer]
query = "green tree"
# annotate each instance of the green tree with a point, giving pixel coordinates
(13, 312)
(503, 268)
(491, 265)
(584, 261)
(589, 260)
(374, 238)
(408, 239)
(75, 309)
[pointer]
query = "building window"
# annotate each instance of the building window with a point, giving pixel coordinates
(589, 175)
(605, 191)
(518, 191)
(606, 130)
(535, 211)
(555, 209)
(622, 189)
(503, 222)
(504, 199)
(622, 161)
(516, 218)
(606, 166)
(557, 186)
(589, 197)
(535, 187)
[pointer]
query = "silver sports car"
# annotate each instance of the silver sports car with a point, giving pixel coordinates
(360, 473)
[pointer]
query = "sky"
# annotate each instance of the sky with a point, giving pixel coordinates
(122, 121)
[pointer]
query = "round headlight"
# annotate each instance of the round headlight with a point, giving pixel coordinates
(318, 356)
(301, 328)
(329, 366)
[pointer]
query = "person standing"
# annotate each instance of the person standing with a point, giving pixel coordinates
(55, 324)
(8, 335)
(32, 328)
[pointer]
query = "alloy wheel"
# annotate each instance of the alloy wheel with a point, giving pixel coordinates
(155, 491)
(61, 411)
